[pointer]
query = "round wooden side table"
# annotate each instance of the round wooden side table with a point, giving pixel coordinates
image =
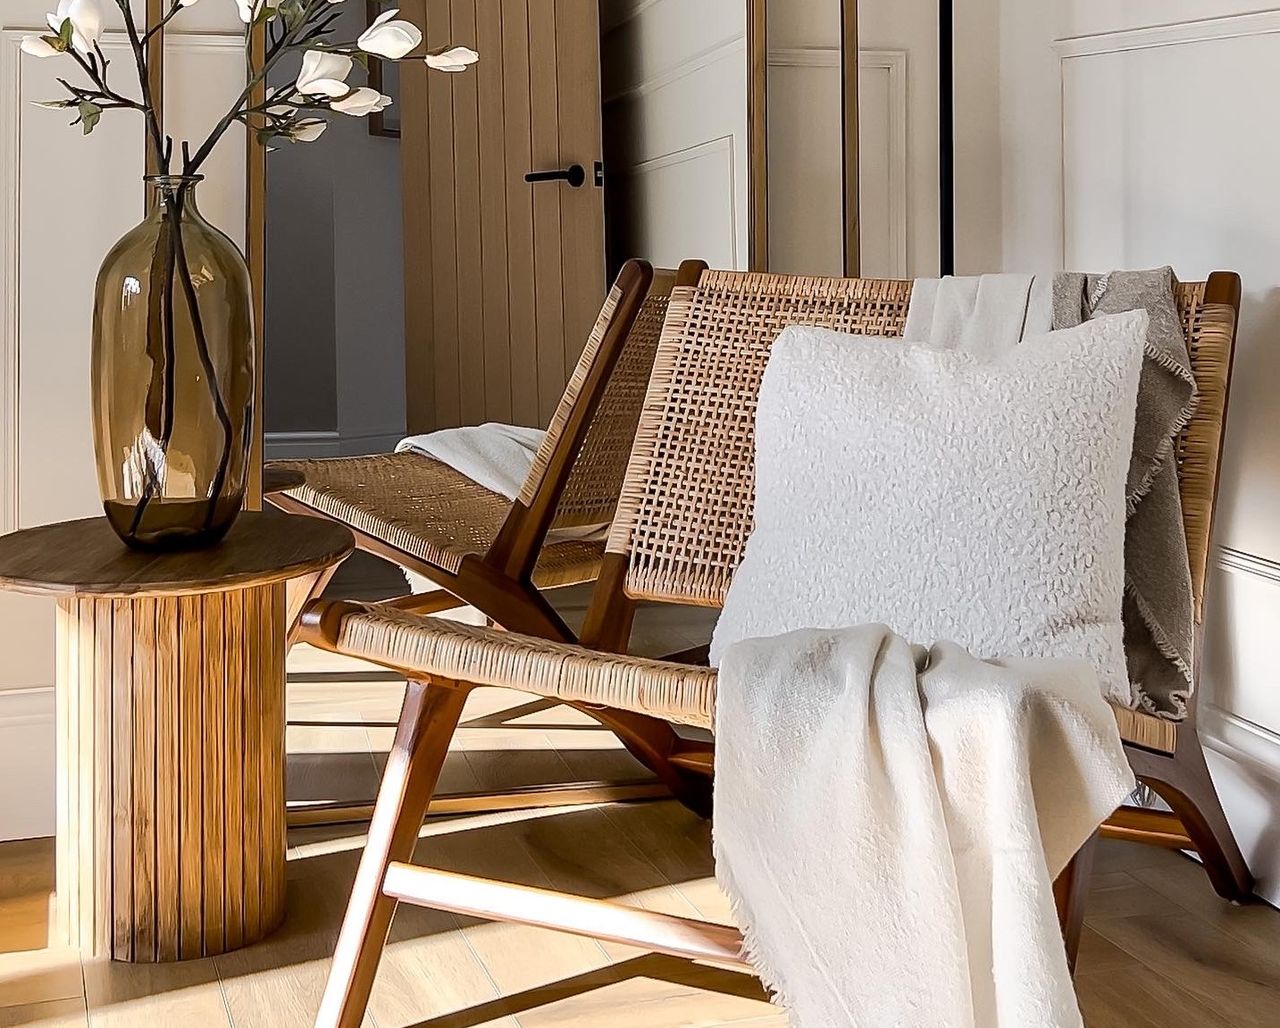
(170, 729)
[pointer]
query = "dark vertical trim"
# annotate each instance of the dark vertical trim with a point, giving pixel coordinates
(757, 136)
(155, 80)
(255, 251)
(946, 142)
(852, 151)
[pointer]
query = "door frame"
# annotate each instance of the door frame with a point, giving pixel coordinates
(758, 133)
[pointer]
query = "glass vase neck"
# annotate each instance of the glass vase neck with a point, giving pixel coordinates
(168, 189)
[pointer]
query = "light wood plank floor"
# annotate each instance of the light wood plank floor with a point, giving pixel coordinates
(1160, 950)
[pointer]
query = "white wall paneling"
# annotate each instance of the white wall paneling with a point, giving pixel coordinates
(1130, 137)
(674, 79)
(691, 204)
(806, 161)
(64, 201)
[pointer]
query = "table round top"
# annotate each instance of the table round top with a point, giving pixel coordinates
(276, 479)
(86, 558)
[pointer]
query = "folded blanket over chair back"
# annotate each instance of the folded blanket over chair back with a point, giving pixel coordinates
(889, 822)
(985, 315)
(1158, 611)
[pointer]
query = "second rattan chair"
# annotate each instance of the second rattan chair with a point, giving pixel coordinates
(483, 550)
(479, 548)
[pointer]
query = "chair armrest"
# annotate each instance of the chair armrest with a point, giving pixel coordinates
(426, 647)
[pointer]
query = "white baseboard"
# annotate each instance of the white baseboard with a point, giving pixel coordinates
(1244, 759)
(298, 445)
(26, 763)
(307, 445)
(370, 442)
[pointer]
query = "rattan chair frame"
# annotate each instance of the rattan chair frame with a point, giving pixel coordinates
(677, 536)
(574, 481)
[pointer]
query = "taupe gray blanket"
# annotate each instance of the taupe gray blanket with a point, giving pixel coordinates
(1158, 615)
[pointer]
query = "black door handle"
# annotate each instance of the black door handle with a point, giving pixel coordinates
(575, 175)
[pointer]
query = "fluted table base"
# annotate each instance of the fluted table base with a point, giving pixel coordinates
(171, 807)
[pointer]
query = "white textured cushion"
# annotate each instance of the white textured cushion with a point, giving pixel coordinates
(952, 498)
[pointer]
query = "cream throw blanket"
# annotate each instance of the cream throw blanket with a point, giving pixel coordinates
(495, 456)
(889, 822)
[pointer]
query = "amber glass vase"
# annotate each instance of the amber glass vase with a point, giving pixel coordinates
(172, 370)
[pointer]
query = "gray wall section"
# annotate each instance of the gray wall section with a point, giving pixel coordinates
(334, 344)
(300, 392)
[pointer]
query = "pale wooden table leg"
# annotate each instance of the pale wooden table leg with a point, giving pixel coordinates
(171, 832)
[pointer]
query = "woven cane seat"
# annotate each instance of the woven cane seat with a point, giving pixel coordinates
(422, 507)
(674, 692)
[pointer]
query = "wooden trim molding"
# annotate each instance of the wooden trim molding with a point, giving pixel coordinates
(757, 135)
(255, 251)
(849, 118)
(10, 140)
(155, 77)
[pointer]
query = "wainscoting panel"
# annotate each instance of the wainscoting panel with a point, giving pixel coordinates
(674, 81)
(1240, 706)
(1186, 177)
(806, 161)
(64, 200)
(690, 200)
(1164, 161)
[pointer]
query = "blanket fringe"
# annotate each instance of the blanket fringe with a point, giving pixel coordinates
(1165, 449)
(745, 922)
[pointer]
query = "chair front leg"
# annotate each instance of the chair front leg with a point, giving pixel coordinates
(427, 721)
(1069, 892)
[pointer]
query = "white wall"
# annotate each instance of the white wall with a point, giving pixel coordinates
(1139, 134)
(64, 200)
(674, 85)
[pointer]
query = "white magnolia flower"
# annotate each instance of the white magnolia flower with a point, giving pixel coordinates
(362, 101)
(35, 46)
(86, 17)
(308, 131)
(456, 59)
(323, 74)
(249, 9)
(390, 39)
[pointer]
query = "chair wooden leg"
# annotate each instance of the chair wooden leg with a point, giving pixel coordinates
(428, 718)
(1069, 892)
(1182, 780)
(298, 593)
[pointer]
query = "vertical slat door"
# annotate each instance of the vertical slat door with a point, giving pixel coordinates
(503, 277)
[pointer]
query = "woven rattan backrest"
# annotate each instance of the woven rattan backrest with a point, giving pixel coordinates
(1210, 329)
(591, 493)
(687, 500)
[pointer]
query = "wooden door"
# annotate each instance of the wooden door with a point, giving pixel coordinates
(503, 277)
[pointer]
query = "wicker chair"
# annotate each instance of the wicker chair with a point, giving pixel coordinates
(480, 548)
(679, 533)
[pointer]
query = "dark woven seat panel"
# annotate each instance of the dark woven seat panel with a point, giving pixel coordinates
(427, 510)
